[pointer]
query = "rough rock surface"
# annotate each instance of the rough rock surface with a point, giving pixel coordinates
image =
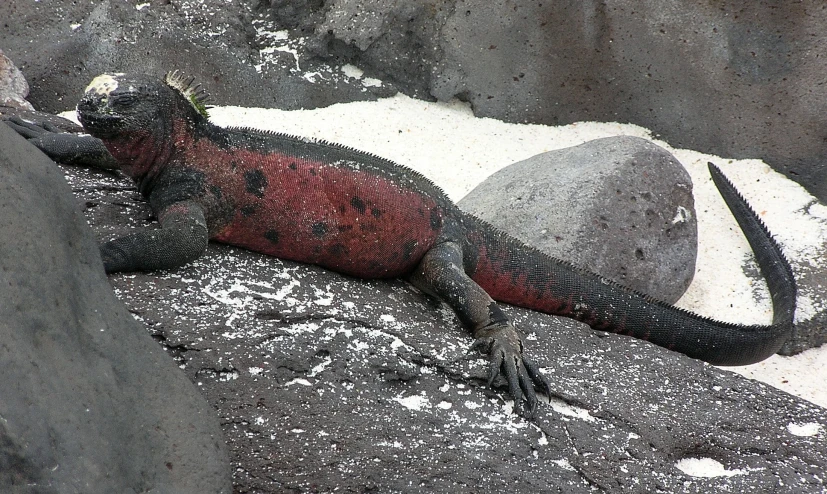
(89, 402)
(61, 45)
(619, 206)
(727, 78)
(732, 78)
(13, 86)
(324, 382)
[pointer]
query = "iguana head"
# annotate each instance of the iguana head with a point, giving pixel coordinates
(136, 116)
(115, 103)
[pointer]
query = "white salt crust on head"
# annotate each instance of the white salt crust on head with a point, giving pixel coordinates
(103, 84)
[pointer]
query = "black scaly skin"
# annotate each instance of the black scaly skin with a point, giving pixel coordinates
(374, 218)
(66, 147)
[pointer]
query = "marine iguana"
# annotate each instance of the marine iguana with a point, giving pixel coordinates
(368, 217)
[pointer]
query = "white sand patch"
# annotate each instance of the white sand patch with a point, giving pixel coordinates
(805, 430)
(706, 468)
(413, 402)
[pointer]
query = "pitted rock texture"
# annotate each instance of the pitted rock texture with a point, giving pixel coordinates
(89, 402)
(13, 86)
(324, 382)
(236, 52)
(619, 206)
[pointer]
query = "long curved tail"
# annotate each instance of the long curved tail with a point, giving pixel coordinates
(514, 273)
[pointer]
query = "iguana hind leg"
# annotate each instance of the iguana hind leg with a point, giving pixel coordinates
(441, 274)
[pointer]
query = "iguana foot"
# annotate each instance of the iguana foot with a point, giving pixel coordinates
(504, 348)
(42, 135)
(64, 147)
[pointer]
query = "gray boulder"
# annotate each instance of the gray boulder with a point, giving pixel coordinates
(89, 402)
(13, 86)
(323, 382)
(620, 206)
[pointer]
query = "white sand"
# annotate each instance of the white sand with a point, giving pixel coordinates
(457, 151)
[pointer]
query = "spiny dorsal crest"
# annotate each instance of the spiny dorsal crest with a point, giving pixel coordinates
(194, 93)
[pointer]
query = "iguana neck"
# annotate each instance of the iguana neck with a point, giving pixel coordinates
(143, 155)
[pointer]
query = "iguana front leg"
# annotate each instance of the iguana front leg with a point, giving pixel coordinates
(182, 238)
(441, 274)
(183, 234)
(65, 147)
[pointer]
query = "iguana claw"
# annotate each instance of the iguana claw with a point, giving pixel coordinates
(504, 348)
(64, 147)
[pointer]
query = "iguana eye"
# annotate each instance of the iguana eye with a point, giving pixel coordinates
(124, 100)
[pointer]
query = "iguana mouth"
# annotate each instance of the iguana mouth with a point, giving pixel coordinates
(96, 117)
(99, 124)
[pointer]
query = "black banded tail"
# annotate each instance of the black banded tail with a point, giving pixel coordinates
(517, 274)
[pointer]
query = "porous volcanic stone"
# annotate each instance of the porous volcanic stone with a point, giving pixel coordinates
(620, 206)
(729, 78)
(89, 402)
(13, 86)
(232, 48)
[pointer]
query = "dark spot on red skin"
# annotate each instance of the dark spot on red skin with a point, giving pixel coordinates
(337, 250)
(342, 209)
(313, 171)
(375, 212)
(216, 191)
(408, 249)
(292, 166)
(248, 210)
(255, 182)
(272, 236)
(319, 229)
(358, 204)
(345, 228)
